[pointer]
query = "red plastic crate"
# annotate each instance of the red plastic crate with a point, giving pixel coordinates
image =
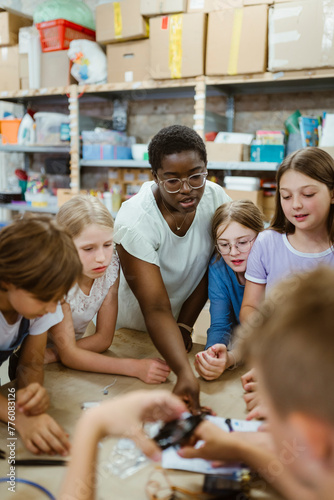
(57, 34)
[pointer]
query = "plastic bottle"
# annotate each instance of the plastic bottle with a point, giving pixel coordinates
(27, 130)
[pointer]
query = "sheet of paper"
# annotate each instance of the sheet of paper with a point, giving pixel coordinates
(171, 460)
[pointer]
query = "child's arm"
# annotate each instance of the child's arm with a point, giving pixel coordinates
(253, 296)
(31, 397)
(151, 371)
(123, 415)
(105, 324)
(248, 448)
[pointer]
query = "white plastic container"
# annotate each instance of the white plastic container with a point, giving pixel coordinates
(242, 183)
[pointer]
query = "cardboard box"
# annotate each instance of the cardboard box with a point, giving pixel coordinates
(255, 196)
(64, 195)
(128, 61)
(224, 152)
(267, 152)
(120, 21)
(10, 23)
(9, 64)
(177, 46)
(55, 69)
(241, 35)
(299, 37)
(213, 5)
(329, 150)
(158, 7)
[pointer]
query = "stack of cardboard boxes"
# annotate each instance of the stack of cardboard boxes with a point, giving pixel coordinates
(14, 69)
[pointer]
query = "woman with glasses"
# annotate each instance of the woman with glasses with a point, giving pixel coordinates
(163, 237)
(235, 227)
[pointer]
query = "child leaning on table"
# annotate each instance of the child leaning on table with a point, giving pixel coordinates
(235, 226)
(91, 226)
(38, 266)
(291, 345)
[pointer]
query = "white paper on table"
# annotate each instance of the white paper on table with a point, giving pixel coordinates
(171, 460)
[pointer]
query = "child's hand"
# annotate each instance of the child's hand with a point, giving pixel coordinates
(41, 434)
(258, 412)
(153, 371)
(210, 364)
(125, 415)
(217, 444)
(249, 382)
(32, 400)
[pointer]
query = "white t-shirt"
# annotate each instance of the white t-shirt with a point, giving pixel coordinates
(9, 333)
(84, 307)
(143, 232)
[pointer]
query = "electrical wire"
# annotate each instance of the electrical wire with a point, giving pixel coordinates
(30, 483)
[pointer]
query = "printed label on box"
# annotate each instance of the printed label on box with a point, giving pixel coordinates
(196, 4)
(164, 23)
(128, 76)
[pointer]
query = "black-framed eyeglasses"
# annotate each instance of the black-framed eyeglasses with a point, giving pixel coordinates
(242, 246)
(174, 185)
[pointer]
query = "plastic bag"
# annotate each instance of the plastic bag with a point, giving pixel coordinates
(71, 10)
(89, 61)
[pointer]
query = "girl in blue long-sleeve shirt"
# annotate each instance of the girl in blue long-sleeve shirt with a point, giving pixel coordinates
(235, 226)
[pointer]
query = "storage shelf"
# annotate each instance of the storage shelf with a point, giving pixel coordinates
(115, 163)
(212, 165)
(243, 165)
(16, 148)
(282, 81)
(24, 207)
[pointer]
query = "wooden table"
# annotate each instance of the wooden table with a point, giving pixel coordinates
(68, 389)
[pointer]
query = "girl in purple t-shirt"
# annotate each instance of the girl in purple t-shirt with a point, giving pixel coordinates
(301, 234)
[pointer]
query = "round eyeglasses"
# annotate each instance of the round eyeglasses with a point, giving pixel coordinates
(175, 184)
(242, 246)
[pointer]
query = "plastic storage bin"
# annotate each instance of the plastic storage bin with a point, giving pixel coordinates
(48, 127)
(57, 34)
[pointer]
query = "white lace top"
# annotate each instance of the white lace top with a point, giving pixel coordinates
(84, 307)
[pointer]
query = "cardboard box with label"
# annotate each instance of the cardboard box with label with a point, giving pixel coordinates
(10, 68)
(120, 21)
(226, 152)
(10, 23)
(55, 69)
(177, 45)
(213, 5)
(255, 196)
(158, 7)
(300, 36)
(128, 61)
(241, 36)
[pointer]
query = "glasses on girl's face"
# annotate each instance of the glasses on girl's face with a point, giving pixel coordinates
(242, 246)
(175, 184)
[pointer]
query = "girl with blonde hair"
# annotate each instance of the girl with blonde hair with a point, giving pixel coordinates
(96, 293)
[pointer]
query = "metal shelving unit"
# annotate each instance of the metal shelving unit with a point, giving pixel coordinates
(24, 207)
(16, 148)
(199, 88)
(212, 165)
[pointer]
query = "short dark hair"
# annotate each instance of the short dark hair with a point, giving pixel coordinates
(174, 139)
